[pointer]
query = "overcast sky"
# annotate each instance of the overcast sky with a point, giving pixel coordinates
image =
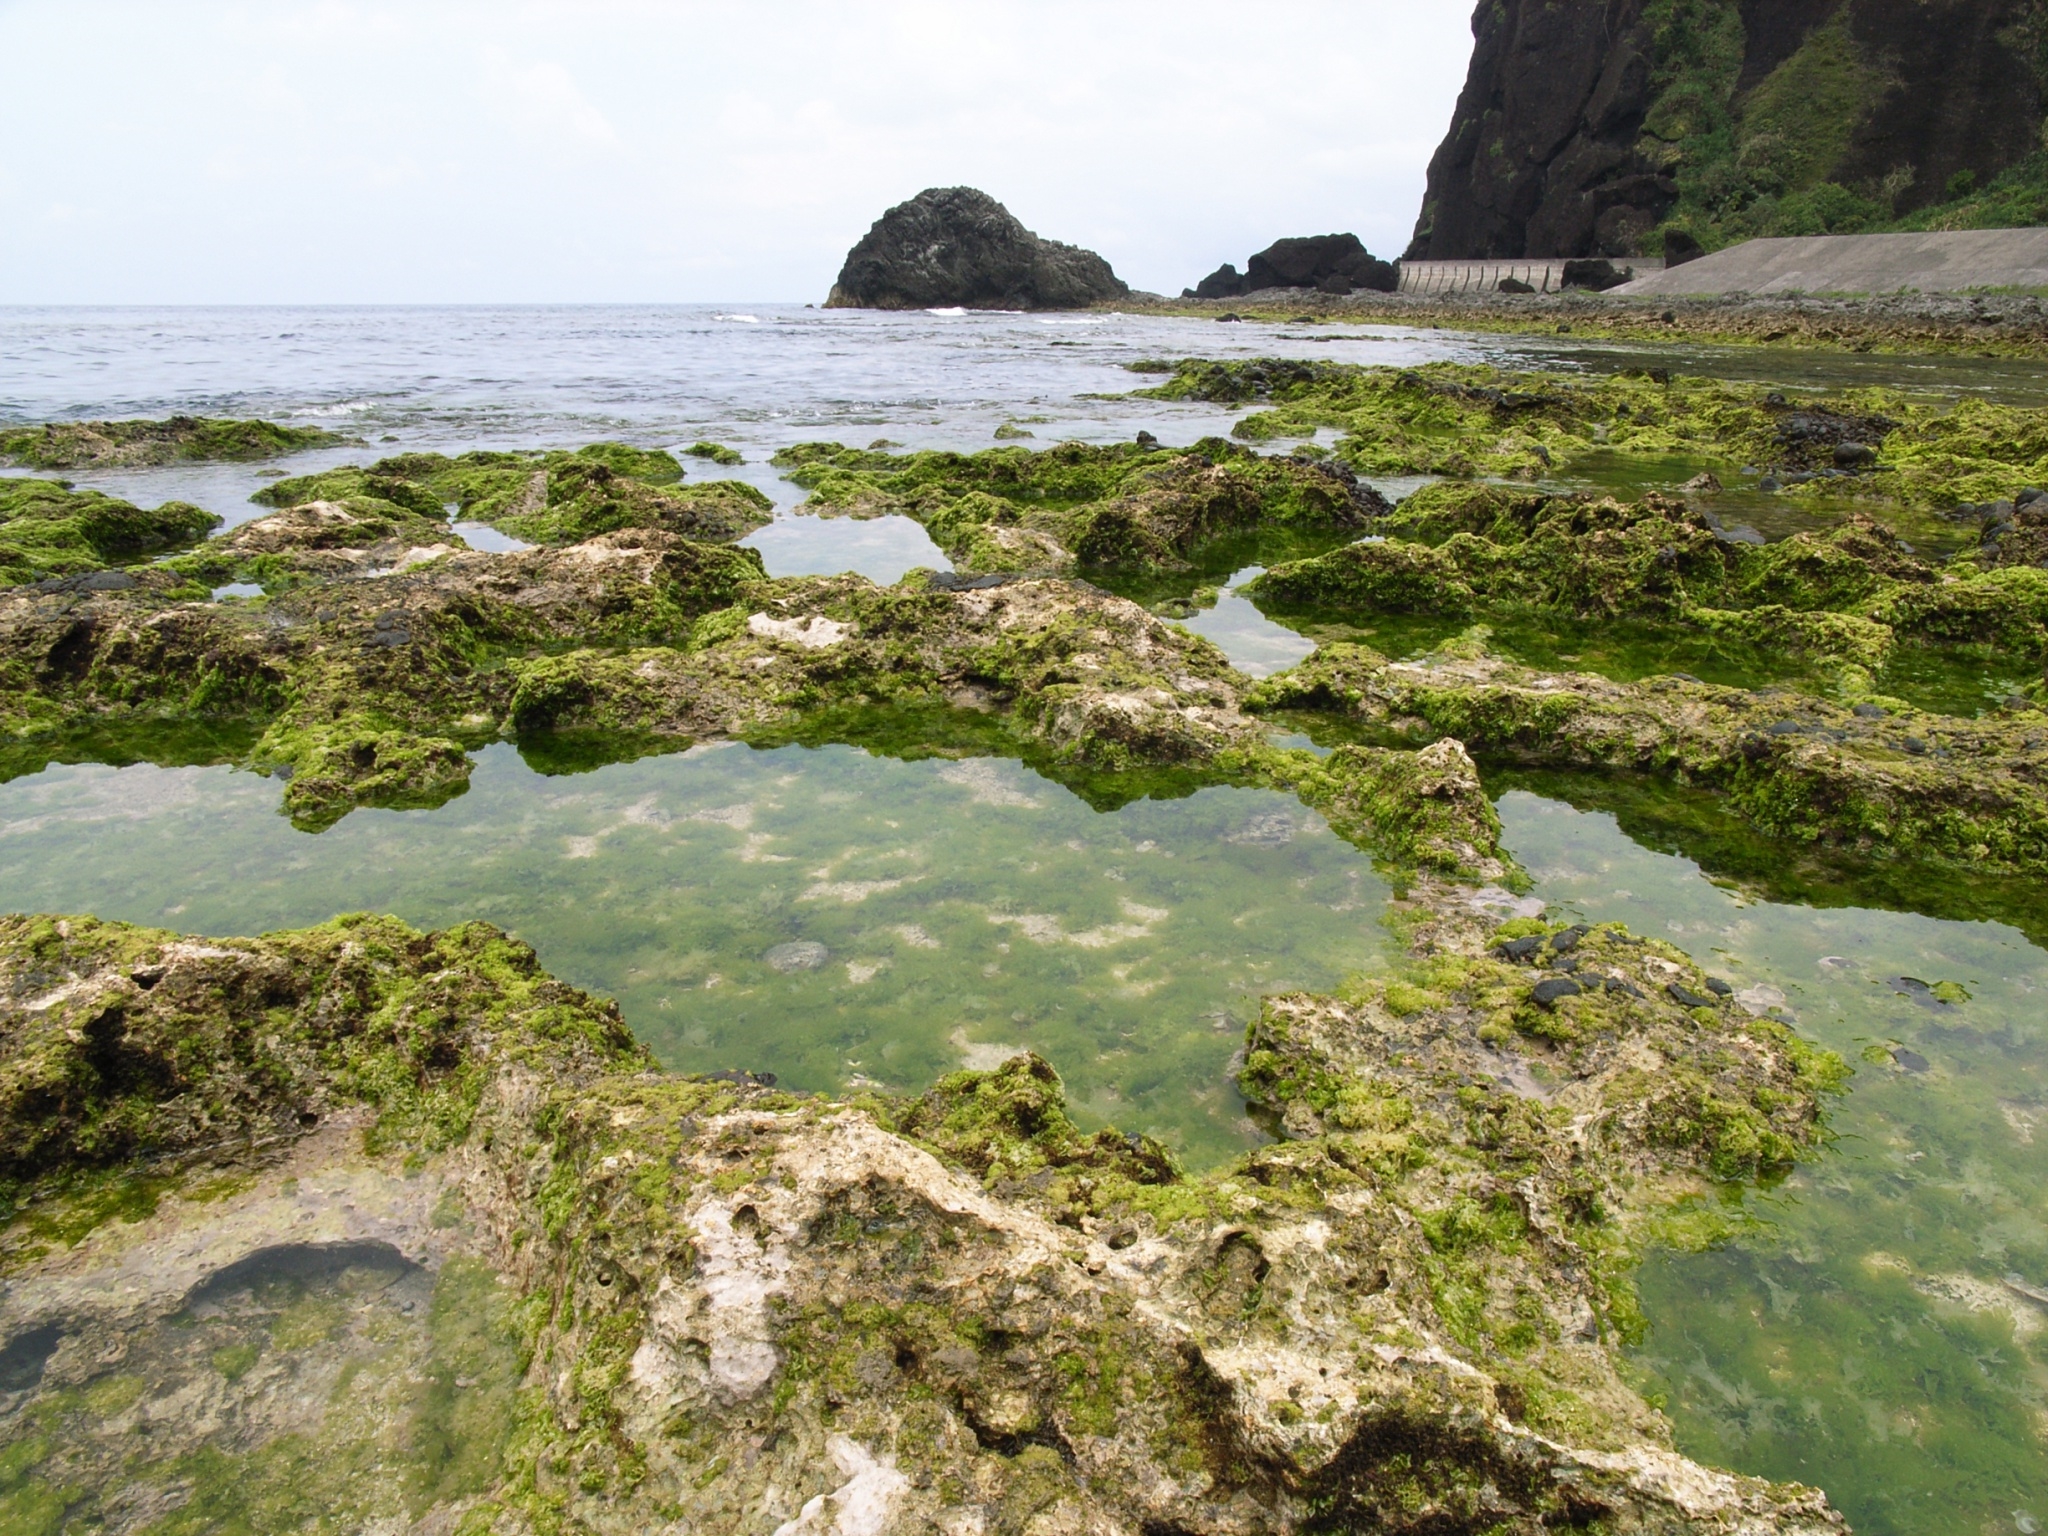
(365, 151)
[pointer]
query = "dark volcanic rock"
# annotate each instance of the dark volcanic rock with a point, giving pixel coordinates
(955, 246)
(1594, 273)
(1226, 282)
(1327, 263)
(1585, 127)
(1680, 247)
(1309, 262)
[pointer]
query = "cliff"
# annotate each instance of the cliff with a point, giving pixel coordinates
(1596, 128)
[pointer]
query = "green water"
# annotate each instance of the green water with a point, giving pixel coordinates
(833, 917)
(1866, 1338)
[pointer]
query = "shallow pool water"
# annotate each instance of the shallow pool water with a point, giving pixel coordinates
(882, 549)
(830, 916)
(1884, 1331)
(1255, 644)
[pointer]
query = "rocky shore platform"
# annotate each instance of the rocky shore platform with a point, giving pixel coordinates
(368, 1224)
(1989, 324)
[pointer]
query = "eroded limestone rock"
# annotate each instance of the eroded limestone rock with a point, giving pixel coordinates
(705, 1305)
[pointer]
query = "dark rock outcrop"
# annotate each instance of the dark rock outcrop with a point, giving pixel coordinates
(1593, 129)
(954, 246)
(1328, 263)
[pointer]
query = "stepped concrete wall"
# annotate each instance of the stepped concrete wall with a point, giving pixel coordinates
(1927, 263)
(1438, 277)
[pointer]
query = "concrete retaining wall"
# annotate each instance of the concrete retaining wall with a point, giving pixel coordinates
(1933, 263)
(1435, 277)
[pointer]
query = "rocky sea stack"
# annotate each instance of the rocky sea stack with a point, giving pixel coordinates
(1326, 263)
(955, 246)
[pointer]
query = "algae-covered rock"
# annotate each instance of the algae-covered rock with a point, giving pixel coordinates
(1469, 421)
(180, 439)
(47, 529)
(951, 1311)
(1128, 507)
(555, 497)
(1843, 595)
(954, 247)
(1890, 782)
(119, 1043)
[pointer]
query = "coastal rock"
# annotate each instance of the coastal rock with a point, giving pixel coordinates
(1335, 264)
(178, 440)
(436, 1246)
(48, 530)
(1584, 128)
(954, 247)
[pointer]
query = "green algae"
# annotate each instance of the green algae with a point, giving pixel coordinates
(1470, 421)
(556, 497)
(180, 439)
(1128, 508)
(47, 529)
(1859, 1332)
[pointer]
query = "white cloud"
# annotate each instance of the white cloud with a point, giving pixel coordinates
(674, 149)
(544, 102)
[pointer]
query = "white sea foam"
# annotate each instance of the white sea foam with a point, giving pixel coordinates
(949, 313)
(740, 319)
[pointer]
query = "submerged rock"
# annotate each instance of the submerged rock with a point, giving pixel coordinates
(956, 247)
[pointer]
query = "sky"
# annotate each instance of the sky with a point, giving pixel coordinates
(583, 151)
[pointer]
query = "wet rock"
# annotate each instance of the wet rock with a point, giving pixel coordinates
(178, 439)
(1912, 1061)
(1680, 248)
(934, 1294)
(1549, 992)
(1515, 285)
(956, 246)
(1595, 274)
(797, 955)
(1686, 997)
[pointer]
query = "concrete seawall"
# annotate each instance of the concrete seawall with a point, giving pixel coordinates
(1926, 263)
(1434, 278)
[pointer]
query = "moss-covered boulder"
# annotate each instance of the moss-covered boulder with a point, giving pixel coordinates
(1126, 507)
(179, 439)
(545, 498)
(48, 529)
